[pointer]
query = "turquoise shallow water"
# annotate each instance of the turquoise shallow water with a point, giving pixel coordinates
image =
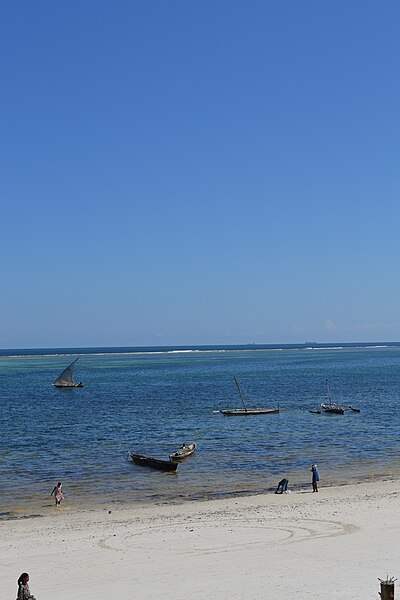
(151, 401)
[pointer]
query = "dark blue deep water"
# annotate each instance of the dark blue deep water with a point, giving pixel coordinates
(152, 400)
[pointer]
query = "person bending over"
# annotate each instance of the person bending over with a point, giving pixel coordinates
(282, 486)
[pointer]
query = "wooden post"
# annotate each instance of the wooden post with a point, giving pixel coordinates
(387, 588)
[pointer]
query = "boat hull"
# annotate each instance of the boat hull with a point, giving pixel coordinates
(240, 412)
(332, 409)
(67, 386)
(154, 463)
(183, 452)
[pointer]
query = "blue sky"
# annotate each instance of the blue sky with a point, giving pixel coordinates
(197, 173)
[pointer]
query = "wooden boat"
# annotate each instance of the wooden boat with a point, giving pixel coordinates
(183, 452)
(330, 406)
(241, 412)
(244, 412)
(154, 463)
(65, 379)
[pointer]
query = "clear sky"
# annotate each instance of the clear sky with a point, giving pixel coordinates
(199, 172)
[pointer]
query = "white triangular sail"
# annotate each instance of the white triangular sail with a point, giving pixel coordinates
(65, 379)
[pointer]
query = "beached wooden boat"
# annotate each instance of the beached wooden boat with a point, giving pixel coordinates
(183, 452)
(244, 412)
(154, 463)
(65, 379)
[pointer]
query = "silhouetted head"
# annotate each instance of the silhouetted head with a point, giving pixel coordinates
(23, 579)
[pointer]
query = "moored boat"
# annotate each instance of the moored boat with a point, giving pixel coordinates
(330, 406)
(183, 452)
(154, 463)
(243, 412)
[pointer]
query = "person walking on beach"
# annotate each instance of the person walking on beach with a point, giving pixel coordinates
(315, 477)
(58, 493)
(24, 592)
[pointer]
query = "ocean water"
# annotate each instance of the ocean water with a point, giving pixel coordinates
(151, 400)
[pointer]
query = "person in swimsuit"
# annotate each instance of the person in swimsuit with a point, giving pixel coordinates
(58, 493)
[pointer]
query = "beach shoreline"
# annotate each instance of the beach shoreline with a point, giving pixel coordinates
(334, 544)
(42, 506)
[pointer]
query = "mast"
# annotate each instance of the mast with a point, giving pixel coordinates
(328, 391)
(240, 393)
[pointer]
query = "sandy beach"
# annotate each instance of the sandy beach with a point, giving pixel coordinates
(334, 544)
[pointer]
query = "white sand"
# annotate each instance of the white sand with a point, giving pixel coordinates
(333, 545)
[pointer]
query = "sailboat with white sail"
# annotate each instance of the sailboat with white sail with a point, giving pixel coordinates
(65, 379)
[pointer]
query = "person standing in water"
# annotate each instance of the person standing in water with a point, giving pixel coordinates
(58, 493)
(24, 592)
(315, 477)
